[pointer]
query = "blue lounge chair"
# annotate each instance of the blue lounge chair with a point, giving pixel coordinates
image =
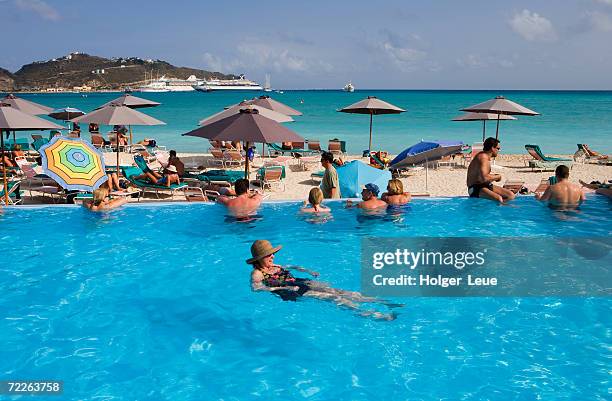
(13, 192)
(133, 171)
(230, 176)
(543, 162)
(278, 149)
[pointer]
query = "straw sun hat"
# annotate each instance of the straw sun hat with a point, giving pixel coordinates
(172, 169)
(260, 249)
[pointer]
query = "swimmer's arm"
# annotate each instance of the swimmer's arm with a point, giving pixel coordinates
(545, 196)
(303, 270)
(222, 199)
(259, 286)
(582, 196)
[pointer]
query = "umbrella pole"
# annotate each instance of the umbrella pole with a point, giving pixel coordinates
(426, 175)
(497, 129)
(4, 182)
(370, 146)
(130, 135)
(246, 161)
(117, 140)
(484, 129)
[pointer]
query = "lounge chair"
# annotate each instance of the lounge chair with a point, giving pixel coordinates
(220, 176)
(12, 188)
(218, 159)
(233, 158)
(377, 162)
(335, 147)
(543, 162)
(40, 183)
(133, 171)
(38, 143)
(314, 145)
(542, 186)
(271, 175)
(514, 185)
(195, 194)
(584, 154)
(275, 150)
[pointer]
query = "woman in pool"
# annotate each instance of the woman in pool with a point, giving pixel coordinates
(395, 194)
(267, 276)
(101, 201)
(315, 198)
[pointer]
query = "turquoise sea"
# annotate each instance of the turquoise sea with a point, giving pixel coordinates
(567, 117)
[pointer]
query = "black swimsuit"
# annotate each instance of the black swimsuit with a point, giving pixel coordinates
(474, 190)
(283, 278)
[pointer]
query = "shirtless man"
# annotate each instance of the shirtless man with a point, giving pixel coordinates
(244, 204)
(369, 194)
(479, 177)
(563, 193)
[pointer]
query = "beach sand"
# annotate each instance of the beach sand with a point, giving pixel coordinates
(442, 181)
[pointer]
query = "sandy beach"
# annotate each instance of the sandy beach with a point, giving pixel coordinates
(442, 181)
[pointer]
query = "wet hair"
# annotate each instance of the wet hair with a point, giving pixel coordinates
(173, 153)
(327, 156)
(99, 195)
(395, 187)
(315, 196)
(562, 171)
(489, 144)
(241, 186)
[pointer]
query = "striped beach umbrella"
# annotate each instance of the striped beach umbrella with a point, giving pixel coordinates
(73, 164)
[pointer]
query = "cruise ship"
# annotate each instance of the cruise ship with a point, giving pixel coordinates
(165, 84)
(240, 84)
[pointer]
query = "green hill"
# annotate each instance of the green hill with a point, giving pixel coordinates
(78, 69)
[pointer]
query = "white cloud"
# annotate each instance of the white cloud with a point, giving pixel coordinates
(606, 2)
(44, 10)
(533, 27)
(599, 21)
(263, 57)
(404, 57)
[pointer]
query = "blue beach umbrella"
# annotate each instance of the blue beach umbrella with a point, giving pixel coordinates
(425, 152)
(356, 173)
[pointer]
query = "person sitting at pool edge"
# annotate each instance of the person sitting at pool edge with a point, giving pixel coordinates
(268, 276)
(330, 184)
(101, 202)
(395, 194)
(369, 194)
(479, 177)
(563, 193)
(315, 197)
(244, 204)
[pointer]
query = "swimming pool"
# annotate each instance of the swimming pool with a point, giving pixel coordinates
(154, 302)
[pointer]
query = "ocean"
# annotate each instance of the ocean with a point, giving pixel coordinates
(567, 117)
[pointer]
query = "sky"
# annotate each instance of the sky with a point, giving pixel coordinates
(410, 44)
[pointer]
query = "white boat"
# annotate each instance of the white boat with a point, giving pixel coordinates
(349, 87)
(267, 87)
(165, 84)
(240, 84)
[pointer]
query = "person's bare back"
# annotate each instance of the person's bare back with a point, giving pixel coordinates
(563, 194)
(243, 205)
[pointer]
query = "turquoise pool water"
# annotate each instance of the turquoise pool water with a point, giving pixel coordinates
(154, 302)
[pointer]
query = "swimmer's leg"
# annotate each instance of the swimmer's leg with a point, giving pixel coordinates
(349, 304)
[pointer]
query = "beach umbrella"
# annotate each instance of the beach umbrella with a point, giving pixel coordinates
(352, 176)
(501, 106)
(133, 102)
(482, 117)
(425, 152)
(372, 106)
(272, 115)
(274, 105)
(73, 163)
(115, 114)
(66, 113)
(248, 126)
(12, 119)
(26, 106)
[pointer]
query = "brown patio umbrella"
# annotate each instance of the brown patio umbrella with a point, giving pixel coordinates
(133, 102)
(115, 114)
(274, 105)
(272, 115)
(12, 119)
(372, 105)
(249, 126)
(501, 106)
(482, 117)
(26, 106)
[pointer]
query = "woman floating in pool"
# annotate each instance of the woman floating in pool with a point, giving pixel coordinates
(267, 276)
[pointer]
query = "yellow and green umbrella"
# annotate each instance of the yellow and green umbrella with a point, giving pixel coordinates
(73, 164)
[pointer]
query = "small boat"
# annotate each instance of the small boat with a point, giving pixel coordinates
(349, 87)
